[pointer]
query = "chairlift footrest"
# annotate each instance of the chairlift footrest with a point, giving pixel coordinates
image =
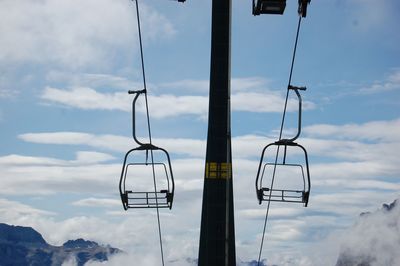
(145, 199)
(282, 195)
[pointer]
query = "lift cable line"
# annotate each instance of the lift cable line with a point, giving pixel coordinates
(149, 130)
(281, 195)
(280, 137)
(137, 162)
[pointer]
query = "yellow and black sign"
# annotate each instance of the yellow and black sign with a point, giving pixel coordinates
(218, 170)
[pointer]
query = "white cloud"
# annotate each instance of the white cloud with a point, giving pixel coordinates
(250, 83)
(97, 202)
(95, 80)
(90, 157)
(392, 82)
(385, 130)
(7, 93)
(186, 85)
(193, 147)
(375, 236)
(45, 179)
(126, 259)
(71, 261)
(237, 84)
(27, 175)
(264, 102)
(337, 210)
(341, 183)
(14, 159)
(161, 106)
(73, 33)
(169, 105)
(87, 99)
(14, 210)
(283, 212)
(82, 157)
(56, 137)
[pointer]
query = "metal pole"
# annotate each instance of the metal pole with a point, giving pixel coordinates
(217, 233)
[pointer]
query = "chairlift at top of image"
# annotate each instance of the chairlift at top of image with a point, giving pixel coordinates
(277, 7)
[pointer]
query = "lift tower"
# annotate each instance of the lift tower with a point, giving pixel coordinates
(217, 233)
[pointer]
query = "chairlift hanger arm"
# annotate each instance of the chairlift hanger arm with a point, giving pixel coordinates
(137, 94)
(296, 90)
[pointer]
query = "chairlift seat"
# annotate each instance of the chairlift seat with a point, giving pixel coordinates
(282, 195)
(146, 199)
(151, 198)
(294, 195)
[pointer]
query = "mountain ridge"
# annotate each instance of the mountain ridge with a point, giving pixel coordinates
(21, 245)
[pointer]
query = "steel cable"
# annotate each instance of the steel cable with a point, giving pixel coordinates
(149, 128)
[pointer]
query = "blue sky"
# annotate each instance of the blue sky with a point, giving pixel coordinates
(65, 118)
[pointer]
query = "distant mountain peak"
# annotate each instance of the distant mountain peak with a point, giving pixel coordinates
(20, 234)
(389, 207)
(80, 243)
(21, 245)
(385, 207)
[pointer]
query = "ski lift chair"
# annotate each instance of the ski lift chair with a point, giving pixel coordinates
(269, 7)
(300, 193)
(149, 162)
(136, 194)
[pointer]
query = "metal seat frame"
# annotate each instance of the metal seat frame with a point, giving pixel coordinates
(283, 195)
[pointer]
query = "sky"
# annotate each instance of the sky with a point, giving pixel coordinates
(65, 120)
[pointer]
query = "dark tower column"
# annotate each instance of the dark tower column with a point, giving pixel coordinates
(217, 234)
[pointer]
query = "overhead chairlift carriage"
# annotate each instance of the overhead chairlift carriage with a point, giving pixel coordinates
(299, 186)
(146, 178)
(277, 7)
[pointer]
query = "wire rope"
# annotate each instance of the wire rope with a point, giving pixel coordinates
(149, 129)
(280, 137)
